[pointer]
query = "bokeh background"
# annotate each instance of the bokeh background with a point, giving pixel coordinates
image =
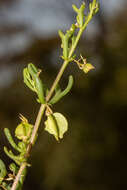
(92, 155)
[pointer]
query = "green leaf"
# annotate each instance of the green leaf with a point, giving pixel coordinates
(6, 186)
(13, 168)
(10, 154)
(3, 171)
(28, 80)
(34, 72)
(94, 7)
(65, 38)
(56, 124)
(33, 81)
(80, 14)
(10, 139)
(60, 94)
(75, 8)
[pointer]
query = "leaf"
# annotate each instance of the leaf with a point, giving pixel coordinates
(60, 94)
(13, 168)
(34, 72)
(33, 81)
(80, 14)
(10, 139)
(75, 8)
(56, 124)
(3, 171)
(6, 186)
(17, 158)
(65, 38)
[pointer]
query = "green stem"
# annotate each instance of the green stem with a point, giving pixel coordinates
(75, 43)
(18, 176)
(57, 79)
(37, 123)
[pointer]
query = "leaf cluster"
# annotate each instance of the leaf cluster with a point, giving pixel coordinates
(22, 133)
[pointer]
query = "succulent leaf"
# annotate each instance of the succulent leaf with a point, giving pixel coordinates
(3, 171)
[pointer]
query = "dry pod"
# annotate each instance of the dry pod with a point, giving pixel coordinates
(87, 67)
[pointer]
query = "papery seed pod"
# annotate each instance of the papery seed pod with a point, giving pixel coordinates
(51, 126)
(87, 67)
(56, 124)
(23, 131)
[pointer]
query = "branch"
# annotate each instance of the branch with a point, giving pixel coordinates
(40, 114)
(67, 58)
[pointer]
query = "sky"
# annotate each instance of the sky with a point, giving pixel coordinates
(39, 19)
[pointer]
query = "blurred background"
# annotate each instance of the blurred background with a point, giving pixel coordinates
(92, 155)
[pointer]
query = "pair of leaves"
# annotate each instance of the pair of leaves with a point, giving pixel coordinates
(33, 81)
(21, 148)
(56, 124)
(14, 169)
(80, 14)
(60, 94)
(23, 133)
(65, 38)
(94, 7)
(68, 39)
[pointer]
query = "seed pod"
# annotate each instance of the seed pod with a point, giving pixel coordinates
(23, 131)
(51, 126)
(87, 67)
(56, 124)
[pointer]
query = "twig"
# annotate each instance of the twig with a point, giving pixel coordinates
(18, 176)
